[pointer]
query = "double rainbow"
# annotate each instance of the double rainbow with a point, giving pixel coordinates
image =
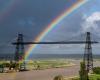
(8, 8)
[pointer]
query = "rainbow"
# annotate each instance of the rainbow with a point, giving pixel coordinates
(9, 7)
(54, 23)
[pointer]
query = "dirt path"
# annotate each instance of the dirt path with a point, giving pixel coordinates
(47, 74)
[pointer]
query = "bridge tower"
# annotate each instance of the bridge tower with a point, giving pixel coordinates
(88, 57)
(19, 54)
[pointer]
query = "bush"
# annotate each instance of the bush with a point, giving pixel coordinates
(96, 70)
(98, 78)
(59, 77)
(83, 72)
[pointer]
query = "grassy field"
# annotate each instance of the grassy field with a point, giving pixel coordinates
(91, 77)
(94, 77)
(45, 64)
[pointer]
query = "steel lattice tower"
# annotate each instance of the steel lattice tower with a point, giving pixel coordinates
(19, 54)
(88, 58)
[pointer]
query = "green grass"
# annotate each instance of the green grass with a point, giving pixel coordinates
(45, 64)
(94, 77)
(91, 77)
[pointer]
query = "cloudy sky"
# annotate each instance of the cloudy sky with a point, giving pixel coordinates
(30, 17)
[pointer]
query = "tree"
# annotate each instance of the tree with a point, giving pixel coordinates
(1, 68)
(96, 70)
(83, 72)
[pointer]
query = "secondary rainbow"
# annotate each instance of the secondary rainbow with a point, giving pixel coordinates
(54, 23)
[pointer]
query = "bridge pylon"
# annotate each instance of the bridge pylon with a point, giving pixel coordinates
(19, 54)
(88, 57)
